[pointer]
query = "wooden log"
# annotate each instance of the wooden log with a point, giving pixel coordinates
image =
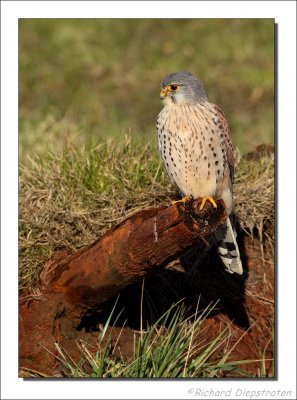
(125, 254)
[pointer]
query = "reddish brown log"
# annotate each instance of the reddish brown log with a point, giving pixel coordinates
(75, 283)
(147, 240)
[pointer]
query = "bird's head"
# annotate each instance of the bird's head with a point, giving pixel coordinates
(182, 88)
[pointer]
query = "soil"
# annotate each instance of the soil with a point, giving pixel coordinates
(247, 302)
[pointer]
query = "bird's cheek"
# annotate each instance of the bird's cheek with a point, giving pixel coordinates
(178, 98)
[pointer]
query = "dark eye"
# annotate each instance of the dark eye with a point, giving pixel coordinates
(173, 87)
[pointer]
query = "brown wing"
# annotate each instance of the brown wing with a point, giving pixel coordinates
(223, 125)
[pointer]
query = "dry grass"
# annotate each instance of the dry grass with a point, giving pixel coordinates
(254, 193)
(69, 198)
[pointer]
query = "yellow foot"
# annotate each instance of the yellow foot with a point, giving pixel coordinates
(204, 201)
(183, 200)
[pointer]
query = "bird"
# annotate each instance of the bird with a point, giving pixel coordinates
(196, 148)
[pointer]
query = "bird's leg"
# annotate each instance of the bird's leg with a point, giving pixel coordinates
(183, 200)
(204, 201)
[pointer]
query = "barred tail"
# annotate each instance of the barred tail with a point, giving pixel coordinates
(228, 248)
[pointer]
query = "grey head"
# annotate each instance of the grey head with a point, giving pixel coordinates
(182, 87)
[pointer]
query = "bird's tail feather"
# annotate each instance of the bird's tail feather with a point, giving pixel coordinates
(228, 248)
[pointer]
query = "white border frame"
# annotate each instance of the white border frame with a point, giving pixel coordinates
(284, 13)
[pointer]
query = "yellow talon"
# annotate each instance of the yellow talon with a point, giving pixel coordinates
(204, 201)
(183, 200)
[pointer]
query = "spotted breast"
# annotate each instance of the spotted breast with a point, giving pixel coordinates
(192, 146)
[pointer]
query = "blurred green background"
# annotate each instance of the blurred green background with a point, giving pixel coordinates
(82, 80)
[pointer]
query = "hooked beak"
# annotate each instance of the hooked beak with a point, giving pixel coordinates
(163, 93)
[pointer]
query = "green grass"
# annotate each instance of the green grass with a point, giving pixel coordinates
(172, 347)
(85, 80)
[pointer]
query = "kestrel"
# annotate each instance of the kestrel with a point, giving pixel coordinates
(195, 145)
